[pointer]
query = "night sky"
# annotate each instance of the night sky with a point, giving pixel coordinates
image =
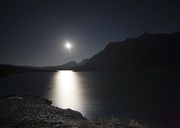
(33, 32)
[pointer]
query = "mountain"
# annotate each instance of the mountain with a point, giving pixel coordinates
(146, 53)
(67, 66)
(149, 52)
(84, 61)
(11, 69)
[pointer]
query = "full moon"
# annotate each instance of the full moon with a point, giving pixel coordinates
(68, 45)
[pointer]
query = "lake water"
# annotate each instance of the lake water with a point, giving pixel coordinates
(98, 93)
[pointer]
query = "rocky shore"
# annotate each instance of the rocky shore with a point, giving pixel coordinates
(37, 112)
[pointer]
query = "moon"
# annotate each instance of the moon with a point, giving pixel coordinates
(68, 45)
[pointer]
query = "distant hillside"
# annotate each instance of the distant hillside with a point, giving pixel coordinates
(84, 61)
(11, 69)
(67, 66)
(146, 53)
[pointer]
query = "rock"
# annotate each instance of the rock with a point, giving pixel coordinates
(37, 112)
(15, 97)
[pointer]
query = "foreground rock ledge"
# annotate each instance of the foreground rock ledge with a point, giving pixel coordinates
(37, 112)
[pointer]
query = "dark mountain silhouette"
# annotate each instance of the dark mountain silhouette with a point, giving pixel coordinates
(149, 52)
(146, 53)
(67, 66)
(84, 61)
(11, 69)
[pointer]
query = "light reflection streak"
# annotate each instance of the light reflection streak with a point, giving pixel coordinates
(66, 92)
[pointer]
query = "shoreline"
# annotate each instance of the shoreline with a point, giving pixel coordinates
(38, 112)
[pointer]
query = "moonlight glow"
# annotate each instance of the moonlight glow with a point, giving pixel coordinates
(68, 45)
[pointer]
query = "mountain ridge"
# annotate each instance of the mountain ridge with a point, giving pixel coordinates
(149, 52)
(142, 53)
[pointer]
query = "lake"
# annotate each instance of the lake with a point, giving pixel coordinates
(96, 94)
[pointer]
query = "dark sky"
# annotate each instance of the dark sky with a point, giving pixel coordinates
(33, 32)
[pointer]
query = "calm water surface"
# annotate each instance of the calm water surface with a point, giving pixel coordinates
(97, 94)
